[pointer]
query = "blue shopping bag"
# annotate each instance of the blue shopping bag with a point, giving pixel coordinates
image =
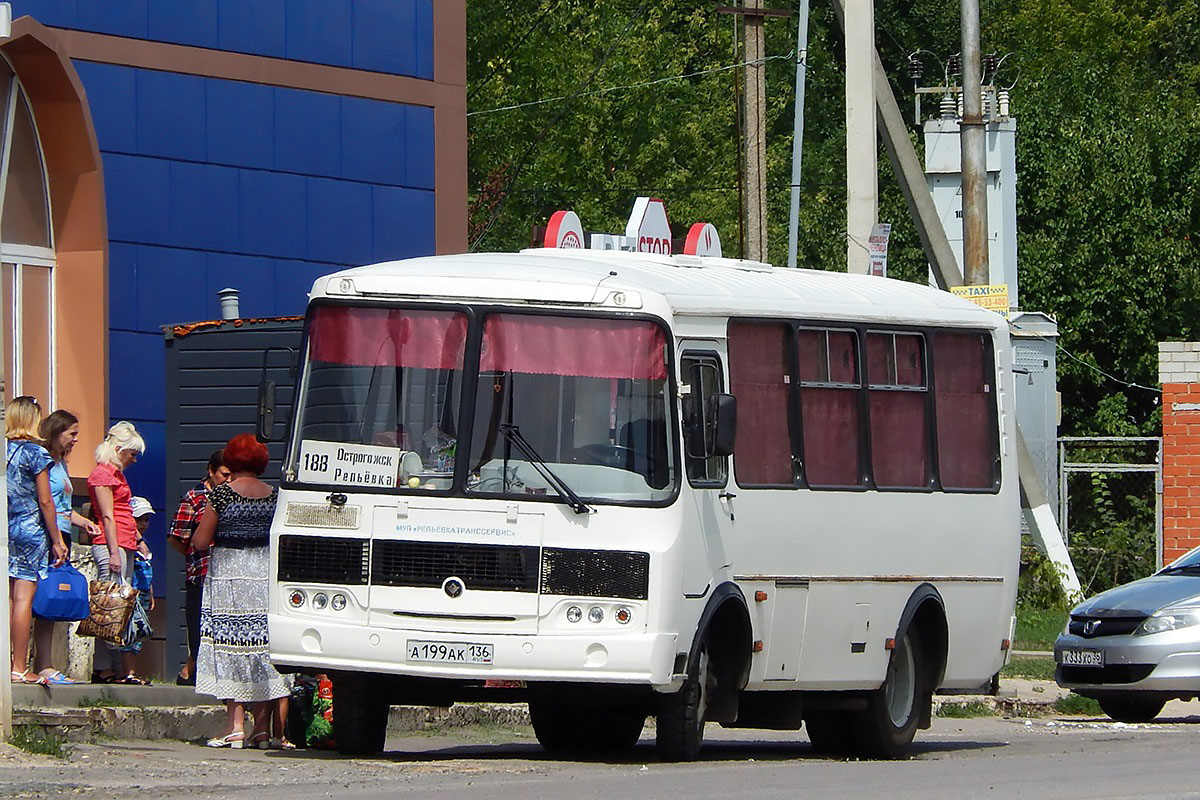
(62, 595)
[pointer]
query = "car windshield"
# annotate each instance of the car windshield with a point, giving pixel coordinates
(1187, 563)
(383, 403)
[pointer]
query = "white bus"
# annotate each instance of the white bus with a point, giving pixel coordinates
(620, 485)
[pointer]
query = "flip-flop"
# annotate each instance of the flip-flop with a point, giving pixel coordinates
(56, 678)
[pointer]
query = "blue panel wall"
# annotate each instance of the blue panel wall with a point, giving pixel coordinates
(390, 36)
(212, 183)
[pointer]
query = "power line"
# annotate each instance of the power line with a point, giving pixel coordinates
(640, 85)
(540, 18)
(550, 126)
(1093, 367)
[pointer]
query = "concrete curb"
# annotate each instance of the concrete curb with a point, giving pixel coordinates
(193, 723)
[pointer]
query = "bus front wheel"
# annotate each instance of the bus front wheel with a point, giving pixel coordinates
(887, 726)
(359, 718)
(680, 725)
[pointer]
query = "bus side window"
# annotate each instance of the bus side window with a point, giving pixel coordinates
(701, 373)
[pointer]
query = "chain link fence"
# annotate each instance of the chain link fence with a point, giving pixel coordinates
(1110, 507)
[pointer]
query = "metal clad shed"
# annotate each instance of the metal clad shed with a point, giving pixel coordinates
(213, 371)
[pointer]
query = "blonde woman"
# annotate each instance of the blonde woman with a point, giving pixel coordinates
(113, 548)
(33, 536)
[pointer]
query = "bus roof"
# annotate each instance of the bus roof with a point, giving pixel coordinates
(689, 285)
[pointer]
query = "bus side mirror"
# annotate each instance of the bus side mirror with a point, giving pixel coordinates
(266, 412)
(720, 421)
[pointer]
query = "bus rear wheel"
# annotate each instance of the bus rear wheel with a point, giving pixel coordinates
(568, 729)
(887, 726)
(680, 725)
(359, 717)
(830, 731)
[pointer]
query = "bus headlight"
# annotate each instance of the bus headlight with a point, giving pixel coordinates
(623, 614)
(595, 614)
(296, 598)
(574, 614)
(320, 600)
(338, 602)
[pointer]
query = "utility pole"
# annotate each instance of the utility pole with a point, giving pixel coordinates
(756, 135)
(798, 134)
(862, 144)
(754, 165)
(974, 164)
(907, 167)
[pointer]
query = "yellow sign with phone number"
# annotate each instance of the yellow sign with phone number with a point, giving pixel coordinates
(993, 297)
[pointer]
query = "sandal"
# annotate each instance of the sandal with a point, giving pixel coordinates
(26, 678)
(132, 679)
(282, 744)
(233, 740)
(260, 741)
(98, 678)
(56, 678)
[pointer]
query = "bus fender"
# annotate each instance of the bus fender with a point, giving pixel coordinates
(927, 610)
(726, 623)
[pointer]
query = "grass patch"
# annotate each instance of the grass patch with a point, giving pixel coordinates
(1037, 669)
(1037, 628)
(972, 708)
(36, 739)
(1076, 704)
(105, 700)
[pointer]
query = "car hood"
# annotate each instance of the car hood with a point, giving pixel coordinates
(1142, 597)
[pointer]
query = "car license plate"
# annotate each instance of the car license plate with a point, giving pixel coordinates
(1082, 658)
(449, 652)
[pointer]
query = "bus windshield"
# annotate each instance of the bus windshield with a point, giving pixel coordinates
(383, 404)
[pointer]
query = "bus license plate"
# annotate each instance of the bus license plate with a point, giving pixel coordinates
(449, 652)
(1082, 658)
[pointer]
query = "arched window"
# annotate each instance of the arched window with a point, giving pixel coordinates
(26, 249)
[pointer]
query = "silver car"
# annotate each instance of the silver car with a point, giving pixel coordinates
(1137, 646)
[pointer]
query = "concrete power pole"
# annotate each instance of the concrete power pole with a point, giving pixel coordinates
(974, 164)
(862, 144)
(756, 134)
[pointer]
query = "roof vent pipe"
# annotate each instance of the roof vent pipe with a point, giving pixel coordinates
(229, 303)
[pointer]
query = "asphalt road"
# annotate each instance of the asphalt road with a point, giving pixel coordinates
(979, 757)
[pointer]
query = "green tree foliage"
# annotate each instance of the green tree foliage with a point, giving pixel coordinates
(1108, 152)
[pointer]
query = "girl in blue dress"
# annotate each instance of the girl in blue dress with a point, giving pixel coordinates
(33, 536)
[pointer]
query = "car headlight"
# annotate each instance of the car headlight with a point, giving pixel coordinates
(1169, 619)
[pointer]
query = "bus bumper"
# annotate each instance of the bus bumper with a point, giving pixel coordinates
(636, 658)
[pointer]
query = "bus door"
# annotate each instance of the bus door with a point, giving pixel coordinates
(711, 522)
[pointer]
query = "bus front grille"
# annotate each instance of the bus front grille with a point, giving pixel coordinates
(596, 573)
(502, 568)
(323, 559)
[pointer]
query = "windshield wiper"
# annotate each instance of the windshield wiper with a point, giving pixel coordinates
(513, 434)
(1180, 568)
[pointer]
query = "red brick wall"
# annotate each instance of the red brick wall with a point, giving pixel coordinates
(1181, 468)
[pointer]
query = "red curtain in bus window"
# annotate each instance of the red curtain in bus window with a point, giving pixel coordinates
(898, 417)
(387, 337)
(899, 439)
(758, 374)
(966, 439)
(831, 434)
(585, 347)
(910, 360)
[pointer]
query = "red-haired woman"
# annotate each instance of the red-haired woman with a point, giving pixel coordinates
(233, 662)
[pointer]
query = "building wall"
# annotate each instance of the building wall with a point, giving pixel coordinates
(257, 144)
(1179, 374)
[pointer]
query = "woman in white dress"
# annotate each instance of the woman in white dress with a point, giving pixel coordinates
(233, 663)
